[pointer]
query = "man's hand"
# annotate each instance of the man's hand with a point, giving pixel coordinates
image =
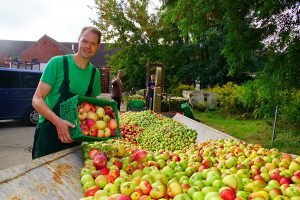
(63, 131)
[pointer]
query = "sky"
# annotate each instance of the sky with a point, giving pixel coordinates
(29, 20)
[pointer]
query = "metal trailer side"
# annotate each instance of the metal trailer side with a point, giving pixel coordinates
(55, 176)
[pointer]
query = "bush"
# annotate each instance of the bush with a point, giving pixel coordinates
(200, 105)
(228, 97)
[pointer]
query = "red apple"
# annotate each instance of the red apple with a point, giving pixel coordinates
(285, 180)
(108, 110)
(91, 191)
(112, 124)
(104, 171)
(90, 122)
(82, 115)
(100, 161)
(145, 186)
(85, 107)
(228, 194)
(93, 153)
(85, 129)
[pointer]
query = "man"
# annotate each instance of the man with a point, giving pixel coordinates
(150, 91)
(116, 91)
(64, 77)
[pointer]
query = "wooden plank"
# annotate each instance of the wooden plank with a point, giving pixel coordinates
(56, 176)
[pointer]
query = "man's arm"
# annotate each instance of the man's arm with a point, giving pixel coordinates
(38, 102)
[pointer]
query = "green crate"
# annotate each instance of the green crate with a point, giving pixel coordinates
(69, 112)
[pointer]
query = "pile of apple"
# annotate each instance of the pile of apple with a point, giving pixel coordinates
(158, 132)
(212, 170)
(97, 121)
(130, 132)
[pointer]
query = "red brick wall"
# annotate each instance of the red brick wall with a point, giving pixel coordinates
(43, 50)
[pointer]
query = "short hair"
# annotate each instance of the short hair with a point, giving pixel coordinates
(120, 71)
(93, 29)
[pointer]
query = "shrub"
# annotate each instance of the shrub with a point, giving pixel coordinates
(228, 97)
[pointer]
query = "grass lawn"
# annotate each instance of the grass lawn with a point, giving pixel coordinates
(253, 131)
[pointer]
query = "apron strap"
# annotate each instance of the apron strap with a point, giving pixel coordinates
(90, 88)
(64, 88)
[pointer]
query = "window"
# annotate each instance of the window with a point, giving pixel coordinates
(30, 80)
(9, 79)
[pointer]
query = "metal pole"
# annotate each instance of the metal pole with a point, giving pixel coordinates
(274, 125)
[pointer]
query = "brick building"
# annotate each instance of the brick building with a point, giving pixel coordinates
(36, 54)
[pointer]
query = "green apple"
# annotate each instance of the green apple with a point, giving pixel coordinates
(208, 189)
(168, 171)
(174, 188)
(127, 188)
(100, 194)
(211, 195)
(101, 181)
(111, 189)
(197, 176)
(210, 179)
(86, 178)
(198, 196)
(217, 184)
(192, 190)
(230, 181)
(182, 197)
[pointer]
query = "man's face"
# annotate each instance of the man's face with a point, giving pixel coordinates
(88, 44)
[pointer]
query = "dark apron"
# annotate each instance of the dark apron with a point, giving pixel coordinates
(46, 138)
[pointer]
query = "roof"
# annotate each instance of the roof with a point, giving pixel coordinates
(13, 48)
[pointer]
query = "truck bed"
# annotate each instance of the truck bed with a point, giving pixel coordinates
(57, 176)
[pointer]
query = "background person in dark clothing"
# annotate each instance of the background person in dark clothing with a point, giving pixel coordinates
(150, 92)
(116, 91)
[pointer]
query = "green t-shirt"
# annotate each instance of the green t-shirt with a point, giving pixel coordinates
(79, 79)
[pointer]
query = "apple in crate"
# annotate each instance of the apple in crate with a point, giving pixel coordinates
(100, 112)
(100, 124)
(107, 132)
(82, 115)
(85, 129)
(85, 107)
(106, 118)
(93, 132)
(108, 110)
(112, 124)
(92, 115)
(101, 133)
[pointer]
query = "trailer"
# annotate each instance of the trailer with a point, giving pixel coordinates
(57, 176)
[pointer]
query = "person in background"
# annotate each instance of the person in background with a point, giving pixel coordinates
(150, 92)
(64, 77)
(116, 91)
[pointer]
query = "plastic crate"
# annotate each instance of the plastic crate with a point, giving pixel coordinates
(136, 105)
(187, 110)
(69, 112)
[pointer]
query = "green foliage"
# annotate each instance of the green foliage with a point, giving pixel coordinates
(178, 90)
(200, 106)
(227, 96)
